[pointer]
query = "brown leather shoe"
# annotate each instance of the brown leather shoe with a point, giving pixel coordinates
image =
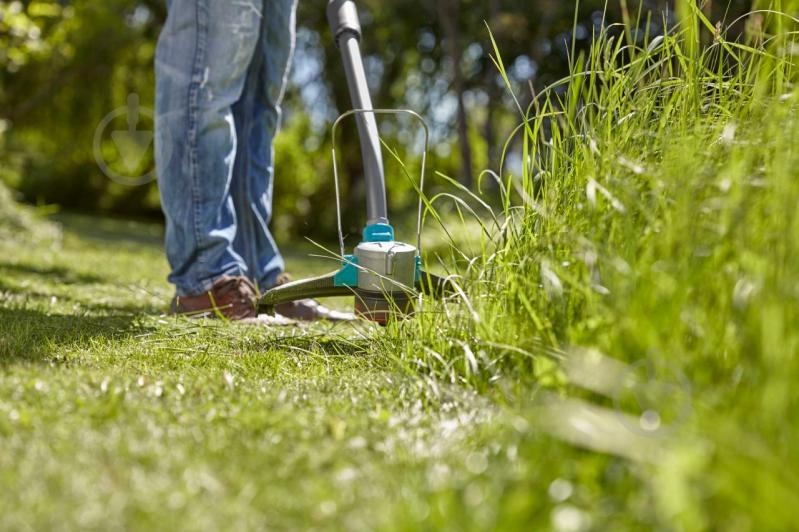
(232, 297)
(308, 309)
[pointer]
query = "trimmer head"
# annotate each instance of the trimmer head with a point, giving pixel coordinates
(383, 275)
(381, 308)
(373, 306)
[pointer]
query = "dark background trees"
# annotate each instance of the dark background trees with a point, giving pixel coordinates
(64, 65)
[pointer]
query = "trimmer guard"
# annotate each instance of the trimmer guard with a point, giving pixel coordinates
(325, 286)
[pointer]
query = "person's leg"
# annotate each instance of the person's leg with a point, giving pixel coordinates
(202, 59)
(257, 118)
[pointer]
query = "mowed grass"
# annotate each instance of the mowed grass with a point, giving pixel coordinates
(622, 354)
(112, 416)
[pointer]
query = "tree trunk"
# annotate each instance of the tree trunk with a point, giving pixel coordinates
(490, 73)
(448, 14)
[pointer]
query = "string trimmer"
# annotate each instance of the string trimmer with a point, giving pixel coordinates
(384, 275)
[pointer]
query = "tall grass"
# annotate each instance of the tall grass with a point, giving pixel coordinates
(654, 219)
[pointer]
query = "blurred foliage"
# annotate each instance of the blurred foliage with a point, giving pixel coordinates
(66, 65)
(63, 67)
(20, 224)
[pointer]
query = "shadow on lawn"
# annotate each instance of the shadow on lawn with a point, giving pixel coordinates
(34, 336)
(61, 276)
(330, 344)
(58, 274)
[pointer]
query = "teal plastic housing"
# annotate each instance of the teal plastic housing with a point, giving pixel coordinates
(378, 233)
(348, 274)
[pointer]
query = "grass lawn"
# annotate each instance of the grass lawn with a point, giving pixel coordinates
(623, 355)
(112, 416)
(115, 416)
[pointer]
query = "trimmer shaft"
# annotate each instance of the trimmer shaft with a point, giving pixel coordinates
(384, 275)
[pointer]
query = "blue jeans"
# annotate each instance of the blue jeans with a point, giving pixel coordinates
(221, 69)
